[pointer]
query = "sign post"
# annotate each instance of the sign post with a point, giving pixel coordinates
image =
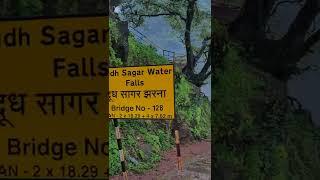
(179, 159)
(120, 148)
(53, 97)
(145, 92)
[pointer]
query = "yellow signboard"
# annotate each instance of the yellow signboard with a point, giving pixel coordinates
(53, 97)
(145, 92)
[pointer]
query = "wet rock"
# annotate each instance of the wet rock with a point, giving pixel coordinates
(146, 149)
(133, 160)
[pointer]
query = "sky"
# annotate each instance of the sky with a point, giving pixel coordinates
(159, 32)
(305, 87)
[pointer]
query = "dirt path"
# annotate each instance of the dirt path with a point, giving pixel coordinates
(196, 164)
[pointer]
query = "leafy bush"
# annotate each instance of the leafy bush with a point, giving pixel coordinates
(193, 108)
(141, 54)
(114, 35)
(158, 139)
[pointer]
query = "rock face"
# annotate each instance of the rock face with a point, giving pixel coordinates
(144, 149)
(147, 149)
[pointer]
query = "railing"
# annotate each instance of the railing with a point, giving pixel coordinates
(171, 56)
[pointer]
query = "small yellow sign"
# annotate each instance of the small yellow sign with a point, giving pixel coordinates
(53, 98)
(145, 92)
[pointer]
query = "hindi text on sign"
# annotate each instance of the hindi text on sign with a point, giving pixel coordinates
(135, 92)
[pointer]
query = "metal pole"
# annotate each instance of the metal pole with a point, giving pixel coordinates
(121, 153)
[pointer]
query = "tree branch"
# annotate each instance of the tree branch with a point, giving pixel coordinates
(199, 81)
(202, 49)
(294, 43)
(207, 75)
(208, 62)
(250, 25)
(169, 11)
(199, 78)
(205, 68)
(276, 6)
(189, 68)
(311, 41)
(155, 15)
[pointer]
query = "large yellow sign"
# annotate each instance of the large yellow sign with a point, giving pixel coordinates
(141, 92)
(53, 97)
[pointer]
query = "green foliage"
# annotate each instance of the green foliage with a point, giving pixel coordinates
(231, 97)
(135, 133)
(201, 27)
(219, 31)
(253, 163)
(193, 109)
(114, 37)
(67, 7)
(29, 8)
(141, 54)
(277, 144)
(114, 165)
(303, 148)
(21, 8)
(36, 7)
(183, 88)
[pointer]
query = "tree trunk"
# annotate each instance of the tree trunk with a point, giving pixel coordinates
(122, 46)
(188, 70)
(293, 41)
(250, 25)
(278, 57)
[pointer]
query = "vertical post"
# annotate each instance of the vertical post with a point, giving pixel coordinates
(179, 159)
(177, 141)
(121, 153)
